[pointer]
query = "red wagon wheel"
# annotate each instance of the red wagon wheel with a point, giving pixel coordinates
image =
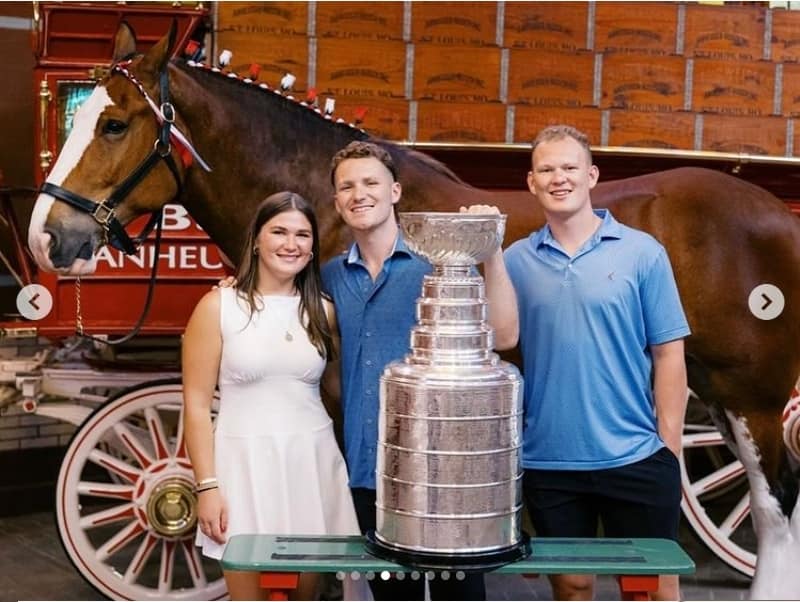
(125, 505)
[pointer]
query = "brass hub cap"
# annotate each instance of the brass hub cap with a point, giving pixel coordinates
(172, 508)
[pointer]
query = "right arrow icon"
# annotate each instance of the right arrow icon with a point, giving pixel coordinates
(766, 302)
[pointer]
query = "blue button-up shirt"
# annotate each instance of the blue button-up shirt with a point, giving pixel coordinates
(375, 319)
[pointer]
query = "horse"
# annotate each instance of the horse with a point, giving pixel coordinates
(724, 236)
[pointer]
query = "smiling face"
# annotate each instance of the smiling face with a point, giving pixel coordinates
(284, 246)
(365, 194)
(562, 177)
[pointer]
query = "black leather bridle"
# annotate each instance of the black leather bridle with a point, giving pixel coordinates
(104, 212)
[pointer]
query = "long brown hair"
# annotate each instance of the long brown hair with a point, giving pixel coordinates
(307, 281)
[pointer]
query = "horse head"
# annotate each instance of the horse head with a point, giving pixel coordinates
(125, 156)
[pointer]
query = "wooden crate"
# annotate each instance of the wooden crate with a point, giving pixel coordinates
(549, 79)
(643, 83)
(529, 120)
(651, 130)
(460, 122)
(790, 94)
(453, 74)
(277, 55)
(556, 26)
(750, 135)
(360, 20)
(364, 69)
(636, 27)
(263, 18)
(733, 87)
(725, 32)
(454, 23)
(785, 35)
(385, 117)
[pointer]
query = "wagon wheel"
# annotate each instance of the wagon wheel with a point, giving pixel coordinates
(716, 494)
(132, 536)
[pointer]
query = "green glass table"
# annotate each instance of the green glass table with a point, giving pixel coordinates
(281, 558)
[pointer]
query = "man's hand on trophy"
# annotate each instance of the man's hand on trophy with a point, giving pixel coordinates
(479, 209)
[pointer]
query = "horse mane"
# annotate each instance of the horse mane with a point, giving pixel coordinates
(311, 117)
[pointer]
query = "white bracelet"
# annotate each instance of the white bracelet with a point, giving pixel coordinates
(207, 481)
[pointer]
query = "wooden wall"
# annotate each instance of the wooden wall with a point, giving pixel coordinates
(656, 74)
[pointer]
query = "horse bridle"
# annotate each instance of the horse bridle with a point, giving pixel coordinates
(104, 212)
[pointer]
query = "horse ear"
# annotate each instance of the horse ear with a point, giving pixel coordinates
(155, 61)
(124, 42)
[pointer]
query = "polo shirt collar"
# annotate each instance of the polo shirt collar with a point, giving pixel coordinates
(609, 228)
(354, 254)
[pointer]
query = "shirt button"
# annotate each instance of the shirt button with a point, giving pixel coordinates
(368, 391)
(369, 420)
(368, 362)
(368, 334)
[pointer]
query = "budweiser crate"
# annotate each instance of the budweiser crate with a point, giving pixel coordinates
(790, 94)
(733, 87)
(366, 69)
(751, 135)
(454, 23)
(275, 55)
(529, 120)
(453, 74)
(643, 83)
(263, 18)
(385, 117)
(651, 130)
(360, 20)
(785, 35)
(636, 27)
(725, 32)
(557, 26)
(548, 79)
(460, 122)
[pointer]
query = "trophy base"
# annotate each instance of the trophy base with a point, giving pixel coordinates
(475, 562)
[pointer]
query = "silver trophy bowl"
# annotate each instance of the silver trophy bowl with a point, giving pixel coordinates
(448, 470)
(453, 238)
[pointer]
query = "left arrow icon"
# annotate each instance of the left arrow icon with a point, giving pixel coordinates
(34, 301)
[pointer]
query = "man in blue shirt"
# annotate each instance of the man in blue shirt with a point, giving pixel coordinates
(374, 286)
(600, 317)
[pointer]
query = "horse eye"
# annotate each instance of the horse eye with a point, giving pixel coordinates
(114, 126)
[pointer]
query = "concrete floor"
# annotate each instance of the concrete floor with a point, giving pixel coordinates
(33, 566)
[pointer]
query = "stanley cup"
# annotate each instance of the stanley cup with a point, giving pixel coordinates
(448, 468)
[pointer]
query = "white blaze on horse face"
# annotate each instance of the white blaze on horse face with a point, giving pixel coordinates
(84, 123)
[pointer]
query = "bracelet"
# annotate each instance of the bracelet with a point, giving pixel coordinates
(206, 481)
(206, 488)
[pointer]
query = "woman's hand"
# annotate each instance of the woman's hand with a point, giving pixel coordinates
(212, 515)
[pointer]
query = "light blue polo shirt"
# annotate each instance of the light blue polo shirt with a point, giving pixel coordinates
(586, 324)
(375, 320)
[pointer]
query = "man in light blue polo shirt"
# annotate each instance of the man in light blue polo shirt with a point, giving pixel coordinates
(374, 286)
(601, 336)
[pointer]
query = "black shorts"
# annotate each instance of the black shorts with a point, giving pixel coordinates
(637, 500)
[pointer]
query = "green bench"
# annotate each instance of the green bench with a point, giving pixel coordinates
(281, 558)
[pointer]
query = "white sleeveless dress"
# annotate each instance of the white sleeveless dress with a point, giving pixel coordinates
(279, 468)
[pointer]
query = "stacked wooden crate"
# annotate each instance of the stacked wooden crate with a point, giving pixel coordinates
(655, 74)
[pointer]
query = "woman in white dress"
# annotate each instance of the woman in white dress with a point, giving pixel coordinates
(270, 464)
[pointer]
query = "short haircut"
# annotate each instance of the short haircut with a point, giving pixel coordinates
(559, 132)
(359, 149)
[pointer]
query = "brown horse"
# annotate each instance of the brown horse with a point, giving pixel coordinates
(724, 236)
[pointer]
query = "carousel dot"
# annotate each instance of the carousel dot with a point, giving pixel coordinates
(355, 575)
(415, 575)
(400, 576)
(340, 575)
(460, 576)
(370, 575)
(386, 575)
(430, 575)
(444, 575)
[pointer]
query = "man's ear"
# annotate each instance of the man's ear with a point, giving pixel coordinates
(397, 191)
